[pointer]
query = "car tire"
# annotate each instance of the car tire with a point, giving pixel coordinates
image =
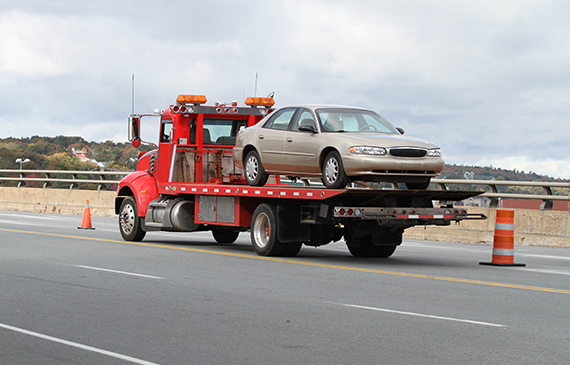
(334, 176)
(254, 172)
(130, 224)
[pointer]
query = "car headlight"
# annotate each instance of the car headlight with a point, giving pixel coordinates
(364, 150)
(435, 152)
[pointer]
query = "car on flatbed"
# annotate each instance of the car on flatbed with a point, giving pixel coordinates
(338, 144)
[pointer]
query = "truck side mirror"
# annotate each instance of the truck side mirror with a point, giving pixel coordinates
(135, 131)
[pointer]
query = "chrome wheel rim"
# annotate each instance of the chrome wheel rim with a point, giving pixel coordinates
(127, 218)
(261, 230)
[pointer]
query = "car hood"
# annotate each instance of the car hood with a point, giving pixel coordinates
(384, 140)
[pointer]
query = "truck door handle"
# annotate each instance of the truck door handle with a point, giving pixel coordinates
(289, 139)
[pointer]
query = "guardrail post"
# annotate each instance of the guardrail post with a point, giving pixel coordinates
(102, 186)
(22, 182)
(494, 203)
(547, 204)
(47, 184)
(74, 176)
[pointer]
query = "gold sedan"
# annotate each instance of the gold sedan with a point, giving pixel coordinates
(338, 144)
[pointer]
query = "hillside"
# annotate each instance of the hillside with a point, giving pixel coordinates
(68, 153)
(75, 153)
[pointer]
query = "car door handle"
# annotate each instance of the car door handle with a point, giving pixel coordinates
(260, 136)
(289, 139)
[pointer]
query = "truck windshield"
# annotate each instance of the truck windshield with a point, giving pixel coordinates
(353, 121)
(219, 131)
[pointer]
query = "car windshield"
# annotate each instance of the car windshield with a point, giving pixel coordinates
(353, 121)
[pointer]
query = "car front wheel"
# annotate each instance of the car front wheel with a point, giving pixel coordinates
(334, 176)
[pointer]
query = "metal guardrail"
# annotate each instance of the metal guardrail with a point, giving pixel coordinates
(547, 198)
(73, 181)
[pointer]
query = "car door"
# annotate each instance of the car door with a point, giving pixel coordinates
(269, 139)
(300, 147)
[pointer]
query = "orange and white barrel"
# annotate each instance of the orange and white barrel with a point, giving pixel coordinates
(504, 240)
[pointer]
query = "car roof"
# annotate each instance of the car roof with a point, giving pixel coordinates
(319, 106)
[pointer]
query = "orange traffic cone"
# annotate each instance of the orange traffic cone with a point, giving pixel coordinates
(504, 240)
(86, 223)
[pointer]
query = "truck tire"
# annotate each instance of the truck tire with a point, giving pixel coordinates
(364, 249)
(334, 176)
(264, 231)
(254, 172)
(385, 251)
(224, 235)
(291, 249)
(130, 223)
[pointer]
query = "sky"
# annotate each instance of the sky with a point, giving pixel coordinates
(487, 80)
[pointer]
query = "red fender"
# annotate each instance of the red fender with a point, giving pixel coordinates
(143, 186)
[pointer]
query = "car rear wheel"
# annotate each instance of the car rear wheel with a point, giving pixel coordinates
(255, 174)
(334, 176)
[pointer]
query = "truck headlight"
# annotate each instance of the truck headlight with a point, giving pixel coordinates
(365, 150)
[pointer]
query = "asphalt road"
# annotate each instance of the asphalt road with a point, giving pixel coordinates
(70, 296)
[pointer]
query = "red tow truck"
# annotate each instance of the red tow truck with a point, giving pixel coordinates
(190, 183)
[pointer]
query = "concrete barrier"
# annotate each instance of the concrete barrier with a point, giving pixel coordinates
(57, 201)
(532, 227)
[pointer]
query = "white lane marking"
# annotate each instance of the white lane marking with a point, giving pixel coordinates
(545, 271)
(78, 345)
(118, 272)
(546, 256)
(423, 315)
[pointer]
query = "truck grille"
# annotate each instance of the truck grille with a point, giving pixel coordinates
(408, 152)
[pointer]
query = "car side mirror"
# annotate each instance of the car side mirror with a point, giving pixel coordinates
(400, 130)
(307, 128)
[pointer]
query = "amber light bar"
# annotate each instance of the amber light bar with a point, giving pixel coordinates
(255, 101)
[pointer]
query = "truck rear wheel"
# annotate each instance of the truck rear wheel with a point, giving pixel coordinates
(264, 231)
(364, 249)
(130, 223)
(224, 235)
(291, 249)
(385, 251)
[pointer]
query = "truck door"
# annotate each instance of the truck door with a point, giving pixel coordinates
(165, 151)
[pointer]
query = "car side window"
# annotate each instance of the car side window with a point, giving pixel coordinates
(305, 118)
(280, 120)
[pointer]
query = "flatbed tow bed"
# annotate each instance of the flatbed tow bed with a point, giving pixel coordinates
(190, 182)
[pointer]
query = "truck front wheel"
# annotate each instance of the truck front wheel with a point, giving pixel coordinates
(129, 221)
(264, 231)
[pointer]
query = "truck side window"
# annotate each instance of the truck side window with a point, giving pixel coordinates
(165, 130)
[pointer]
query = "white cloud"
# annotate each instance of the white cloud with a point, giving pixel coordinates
(487, 79)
